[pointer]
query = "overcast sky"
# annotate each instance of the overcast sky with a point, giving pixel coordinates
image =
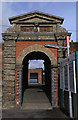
(67, 10)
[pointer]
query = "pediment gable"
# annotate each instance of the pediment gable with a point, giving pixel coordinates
(36, 16)
(34, 19)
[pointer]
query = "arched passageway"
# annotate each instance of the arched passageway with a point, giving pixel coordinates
(47, 63)
(37, 52)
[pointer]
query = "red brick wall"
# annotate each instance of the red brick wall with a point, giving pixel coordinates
(20, 45)
(27, 29)
(46, 29)
(73, 47)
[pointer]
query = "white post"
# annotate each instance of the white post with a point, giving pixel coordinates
(70, 104)
(70, 97)
(74, 76)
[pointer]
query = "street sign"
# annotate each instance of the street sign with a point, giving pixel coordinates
(54, 46)
(68, 73)
(51, 45)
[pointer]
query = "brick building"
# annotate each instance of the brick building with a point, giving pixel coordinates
(25, 40)
(35, 76)
(73, 46)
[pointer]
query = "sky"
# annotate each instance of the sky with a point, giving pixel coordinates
(67, 10)
(37, 63)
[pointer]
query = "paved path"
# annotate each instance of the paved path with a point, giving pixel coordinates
(35, 98)
(18, 113)
(35, 105)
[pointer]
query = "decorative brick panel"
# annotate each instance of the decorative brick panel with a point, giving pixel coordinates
(46, 29)
(27, 29)
(18, 85)
(54, 76)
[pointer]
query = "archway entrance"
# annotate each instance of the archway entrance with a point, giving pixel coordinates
(37, 52)
(40, 87)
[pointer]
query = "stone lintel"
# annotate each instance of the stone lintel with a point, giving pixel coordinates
(9, 36)
(63, 33)
(35, 36)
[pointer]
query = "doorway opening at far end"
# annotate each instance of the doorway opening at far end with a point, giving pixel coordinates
(33, 77)
(36, 81)
(36, 72)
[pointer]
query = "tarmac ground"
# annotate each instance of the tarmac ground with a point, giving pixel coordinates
(18, 113)
(35, 105)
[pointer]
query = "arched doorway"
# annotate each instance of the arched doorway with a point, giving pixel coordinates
(31, 53)
(47, 63)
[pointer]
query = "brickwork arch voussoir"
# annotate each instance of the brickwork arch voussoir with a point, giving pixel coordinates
(36, 48)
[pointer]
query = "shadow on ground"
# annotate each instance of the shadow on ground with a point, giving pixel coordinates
(19, 113)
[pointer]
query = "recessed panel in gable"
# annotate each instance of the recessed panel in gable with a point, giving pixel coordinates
(36, 19)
